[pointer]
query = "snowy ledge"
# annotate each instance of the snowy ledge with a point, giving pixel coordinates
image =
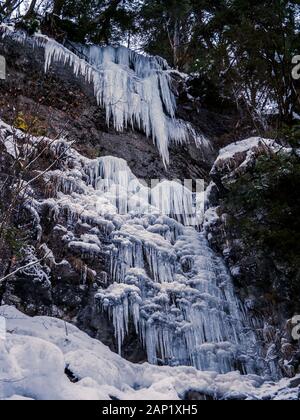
(239, 154)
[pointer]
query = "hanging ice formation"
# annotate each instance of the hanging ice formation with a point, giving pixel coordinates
(135, 90)
(114, 179)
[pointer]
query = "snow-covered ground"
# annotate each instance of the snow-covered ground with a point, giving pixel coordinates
(36, 352)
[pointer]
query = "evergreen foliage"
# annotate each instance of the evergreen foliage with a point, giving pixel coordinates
(264, 205)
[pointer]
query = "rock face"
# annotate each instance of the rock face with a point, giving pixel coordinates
(261, 278)
(61, 103)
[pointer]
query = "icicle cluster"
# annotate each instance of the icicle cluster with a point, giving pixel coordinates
(184, 307)
(175, 199)
(128, 300)
(135, 90)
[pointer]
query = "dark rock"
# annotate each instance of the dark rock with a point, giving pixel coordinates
(197, 396)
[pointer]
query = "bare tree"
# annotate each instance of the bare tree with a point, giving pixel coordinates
(8, 8)
(24, 153)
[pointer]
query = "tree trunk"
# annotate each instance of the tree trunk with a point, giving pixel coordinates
(176, 44)
(31, 10)
(58, 6)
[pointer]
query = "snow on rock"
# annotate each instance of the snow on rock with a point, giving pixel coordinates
(243, 146)
(8, 140)
(39, 352)
(34, 269)
(11, 147)
(135, 90)
(84, 247)
(237, 157)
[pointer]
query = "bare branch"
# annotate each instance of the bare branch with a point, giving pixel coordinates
(32, 264)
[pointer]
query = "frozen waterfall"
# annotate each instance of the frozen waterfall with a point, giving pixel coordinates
(163, 281)
(166, 280)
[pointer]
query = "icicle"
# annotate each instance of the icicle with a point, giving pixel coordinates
(174, 200)
(122, 299)
(126, 96)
